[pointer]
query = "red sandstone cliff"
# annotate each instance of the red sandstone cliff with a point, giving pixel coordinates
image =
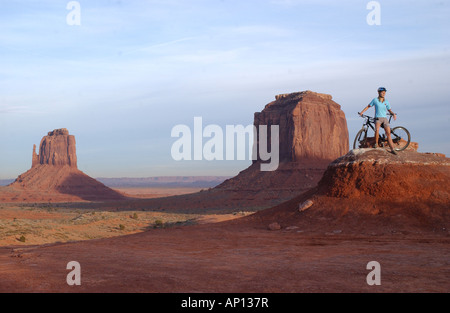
(312, 126)
(57, 148)
(312, 131)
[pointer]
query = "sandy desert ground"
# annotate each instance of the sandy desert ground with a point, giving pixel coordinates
(156, 192)
(45, 223)
(232, 257)
(314, 251)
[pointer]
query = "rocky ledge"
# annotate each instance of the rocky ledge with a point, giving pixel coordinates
(378, 173)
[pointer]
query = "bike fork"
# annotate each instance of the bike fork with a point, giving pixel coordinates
(364, 133)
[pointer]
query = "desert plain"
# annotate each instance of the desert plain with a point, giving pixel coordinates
(237, 252)
(44, 223)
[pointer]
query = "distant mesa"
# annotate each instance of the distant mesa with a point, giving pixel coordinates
(313, 132)
(54, 175)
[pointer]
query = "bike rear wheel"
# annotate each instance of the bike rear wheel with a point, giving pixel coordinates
(360, 139)
(400, 137)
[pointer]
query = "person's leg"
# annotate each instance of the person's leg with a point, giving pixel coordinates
(377, 132)
(387, 129)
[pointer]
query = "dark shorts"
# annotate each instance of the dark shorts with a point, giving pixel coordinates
(383, 121)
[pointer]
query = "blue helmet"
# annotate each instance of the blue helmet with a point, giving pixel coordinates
(382, 89)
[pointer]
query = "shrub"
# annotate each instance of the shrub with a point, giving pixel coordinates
(158, 223)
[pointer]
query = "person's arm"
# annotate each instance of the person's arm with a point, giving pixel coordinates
(395, 115)
(365, 109)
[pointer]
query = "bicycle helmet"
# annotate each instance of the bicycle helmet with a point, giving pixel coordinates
(382, 89)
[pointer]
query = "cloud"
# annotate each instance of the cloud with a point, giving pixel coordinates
(253, 30)
(156, 47)
(328, 3)
(12, 109)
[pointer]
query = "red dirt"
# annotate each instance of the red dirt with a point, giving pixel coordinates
(356, 217)
(231, 258)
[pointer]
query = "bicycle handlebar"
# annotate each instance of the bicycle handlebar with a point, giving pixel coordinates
(364, 116)
(367, 116)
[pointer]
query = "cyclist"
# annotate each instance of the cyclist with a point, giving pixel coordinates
(382, 106)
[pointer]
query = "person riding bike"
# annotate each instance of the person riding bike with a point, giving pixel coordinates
(382, 106)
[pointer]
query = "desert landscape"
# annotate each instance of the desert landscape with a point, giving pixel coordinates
(312, 225)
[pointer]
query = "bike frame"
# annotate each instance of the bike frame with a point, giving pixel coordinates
(370, 122)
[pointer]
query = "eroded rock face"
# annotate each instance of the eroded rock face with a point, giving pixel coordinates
(57, 148)
(311, 126)
(377, 173)
(312, 133)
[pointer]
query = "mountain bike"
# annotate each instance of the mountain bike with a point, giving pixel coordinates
(401, 137)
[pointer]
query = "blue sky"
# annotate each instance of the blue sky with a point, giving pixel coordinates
(134, 69)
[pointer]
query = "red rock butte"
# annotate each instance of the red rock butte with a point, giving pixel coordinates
(57, 148)
(312, 133)
(312, 126)
(54, 175)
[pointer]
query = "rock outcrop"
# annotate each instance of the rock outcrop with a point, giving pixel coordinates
(312, 133)
(377, 173)
(57, 148)
(373, 192)
(54, 175)
(370, 142)
(312, 126)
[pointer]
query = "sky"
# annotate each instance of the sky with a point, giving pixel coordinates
(132, 70)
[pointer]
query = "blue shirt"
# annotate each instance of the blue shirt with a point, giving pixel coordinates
(381, 108)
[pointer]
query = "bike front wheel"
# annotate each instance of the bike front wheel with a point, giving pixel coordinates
(400, 138)
(360, 139)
